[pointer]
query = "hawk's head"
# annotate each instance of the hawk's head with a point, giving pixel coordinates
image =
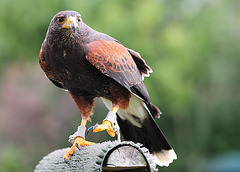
(65, 25)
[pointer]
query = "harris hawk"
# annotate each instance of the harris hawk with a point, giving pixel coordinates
(90, 64)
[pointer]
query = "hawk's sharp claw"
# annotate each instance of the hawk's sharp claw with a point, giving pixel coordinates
(109, 124)
(65, 160)
(79, 141)
(77, 146)
(92, 128)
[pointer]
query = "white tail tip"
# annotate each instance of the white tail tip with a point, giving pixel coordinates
(165, 157)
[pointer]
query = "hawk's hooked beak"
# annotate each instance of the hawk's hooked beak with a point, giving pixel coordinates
(71, 23)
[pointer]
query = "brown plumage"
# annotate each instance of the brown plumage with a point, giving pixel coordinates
(91, 64)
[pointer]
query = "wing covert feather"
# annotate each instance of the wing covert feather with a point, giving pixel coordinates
(113, 60)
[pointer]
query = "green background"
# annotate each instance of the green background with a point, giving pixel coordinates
(191, 45)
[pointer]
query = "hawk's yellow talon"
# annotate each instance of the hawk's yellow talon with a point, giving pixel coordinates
(106, 125)
(81, 142)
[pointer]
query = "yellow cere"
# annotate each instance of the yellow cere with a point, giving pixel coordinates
(69, 20)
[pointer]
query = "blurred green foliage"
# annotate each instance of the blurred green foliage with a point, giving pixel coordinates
(191, 45)
(10, 160)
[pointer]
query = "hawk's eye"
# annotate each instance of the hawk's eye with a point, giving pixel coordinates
(78, 19)
(60, 20)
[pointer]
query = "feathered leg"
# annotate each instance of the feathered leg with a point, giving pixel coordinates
(119, 100)
(78, 138)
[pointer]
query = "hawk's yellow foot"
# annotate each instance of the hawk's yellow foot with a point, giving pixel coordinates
(106, 125)
(109, 124)
(79, 141)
